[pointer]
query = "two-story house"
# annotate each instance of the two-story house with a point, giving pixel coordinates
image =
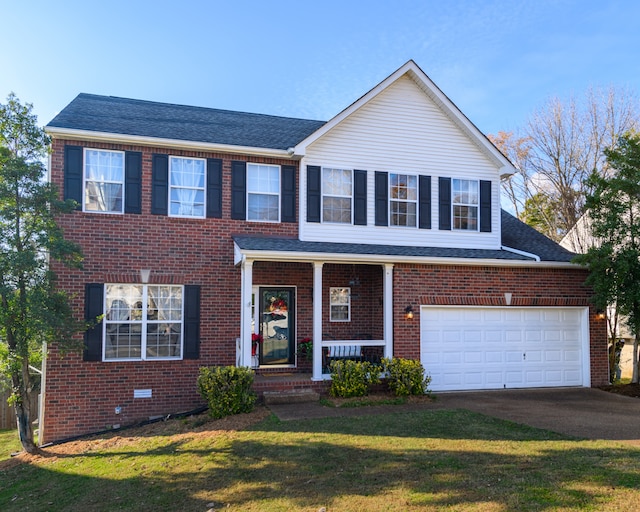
(377, 233)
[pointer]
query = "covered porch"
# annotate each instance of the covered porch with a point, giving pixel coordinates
(341, 303)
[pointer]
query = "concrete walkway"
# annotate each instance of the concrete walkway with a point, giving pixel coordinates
(580, 412)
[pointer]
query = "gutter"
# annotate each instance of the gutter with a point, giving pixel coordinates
(521, 253)
(73, 134)
(291, 256)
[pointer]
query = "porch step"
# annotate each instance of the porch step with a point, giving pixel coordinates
(294, 396)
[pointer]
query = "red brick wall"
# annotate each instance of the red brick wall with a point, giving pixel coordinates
(81, 397)
(486, 286)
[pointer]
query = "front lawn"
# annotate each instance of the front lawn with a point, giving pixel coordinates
(424, 460)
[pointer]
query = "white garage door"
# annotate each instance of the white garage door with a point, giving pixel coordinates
(465, 348)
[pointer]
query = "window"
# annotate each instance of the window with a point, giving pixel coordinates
(403, 199)
(103, 181)
(340, 304)
(337, 187)
(464, 199)
(142, 322)
(186, 187)
(263, 192)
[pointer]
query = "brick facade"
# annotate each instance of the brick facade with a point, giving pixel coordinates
(81, 396)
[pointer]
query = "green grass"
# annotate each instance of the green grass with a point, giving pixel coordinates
(9, 443)
(426, 460)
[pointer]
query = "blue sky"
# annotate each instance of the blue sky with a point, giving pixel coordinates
(497, 60)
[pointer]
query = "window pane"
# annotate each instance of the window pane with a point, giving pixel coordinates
(336, 182)
(465, 217)
(164, 303)
(104, 179)
(403, 214)
(186, 178)
(336, 209)
(263, 207)
(263, 178)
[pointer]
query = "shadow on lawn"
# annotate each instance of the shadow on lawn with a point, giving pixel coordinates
(390, 462)
(307, 473)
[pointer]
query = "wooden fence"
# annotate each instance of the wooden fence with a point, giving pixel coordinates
(8, 414)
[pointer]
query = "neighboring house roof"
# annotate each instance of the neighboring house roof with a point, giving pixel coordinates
(518, 235)
(515, 235)
(112, 115)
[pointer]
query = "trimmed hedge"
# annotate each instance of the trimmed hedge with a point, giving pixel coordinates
(227, 390)
(406, 376)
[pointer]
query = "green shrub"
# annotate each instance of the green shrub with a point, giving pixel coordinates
(227, 390)
(406, 376)
(352, 378)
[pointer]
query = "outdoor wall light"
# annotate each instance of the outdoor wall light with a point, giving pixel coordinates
(600, 314)
(408, 312)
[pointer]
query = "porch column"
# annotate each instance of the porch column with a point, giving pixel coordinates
(244, 350)
(317, 321)
(388, 309)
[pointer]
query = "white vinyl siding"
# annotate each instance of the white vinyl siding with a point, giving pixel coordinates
(402, 128)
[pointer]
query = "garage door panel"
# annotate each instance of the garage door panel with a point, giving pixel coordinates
(494, 347)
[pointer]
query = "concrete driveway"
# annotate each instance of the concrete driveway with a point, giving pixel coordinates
(580, 412)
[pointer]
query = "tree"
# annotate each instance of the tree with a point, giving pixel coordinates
(561, 145)
(33, 312)
(614, 260)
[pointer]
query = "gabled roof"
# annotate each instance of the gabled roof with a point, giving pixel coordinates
(92, 114)
(413, 71)
(530, 247)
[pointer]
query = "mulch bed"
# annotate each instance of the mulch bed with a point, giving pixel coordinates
(632, 390)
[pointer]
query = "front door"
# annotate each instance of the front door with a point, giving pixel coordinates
(277, 326)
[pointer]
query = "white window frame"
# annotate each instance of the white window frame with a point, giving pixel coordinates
(256, 192)
(144, 322)
(333, 304)
(405, 201)
(203, 188)
(475, 205)
(85, 181)
(326, 195)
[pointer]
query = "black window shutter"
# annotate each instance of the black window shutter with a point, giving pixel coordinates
(73, 174)
(214, 188)
(444, 196)
(159, 184)
(382, 198)
(288, 194)
(93, 308)
(485, 206)
(314, 191)
(238, 190)
(191, 322)
(132, 182)
(424, 200)
(360, 198)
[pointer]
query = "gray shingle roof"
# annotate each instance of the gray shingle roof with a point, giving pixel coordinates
(168, 121)
(518, 235)
(515, 234)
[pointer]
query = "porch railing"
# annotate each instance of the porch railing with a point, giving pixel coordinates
(355, 350)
